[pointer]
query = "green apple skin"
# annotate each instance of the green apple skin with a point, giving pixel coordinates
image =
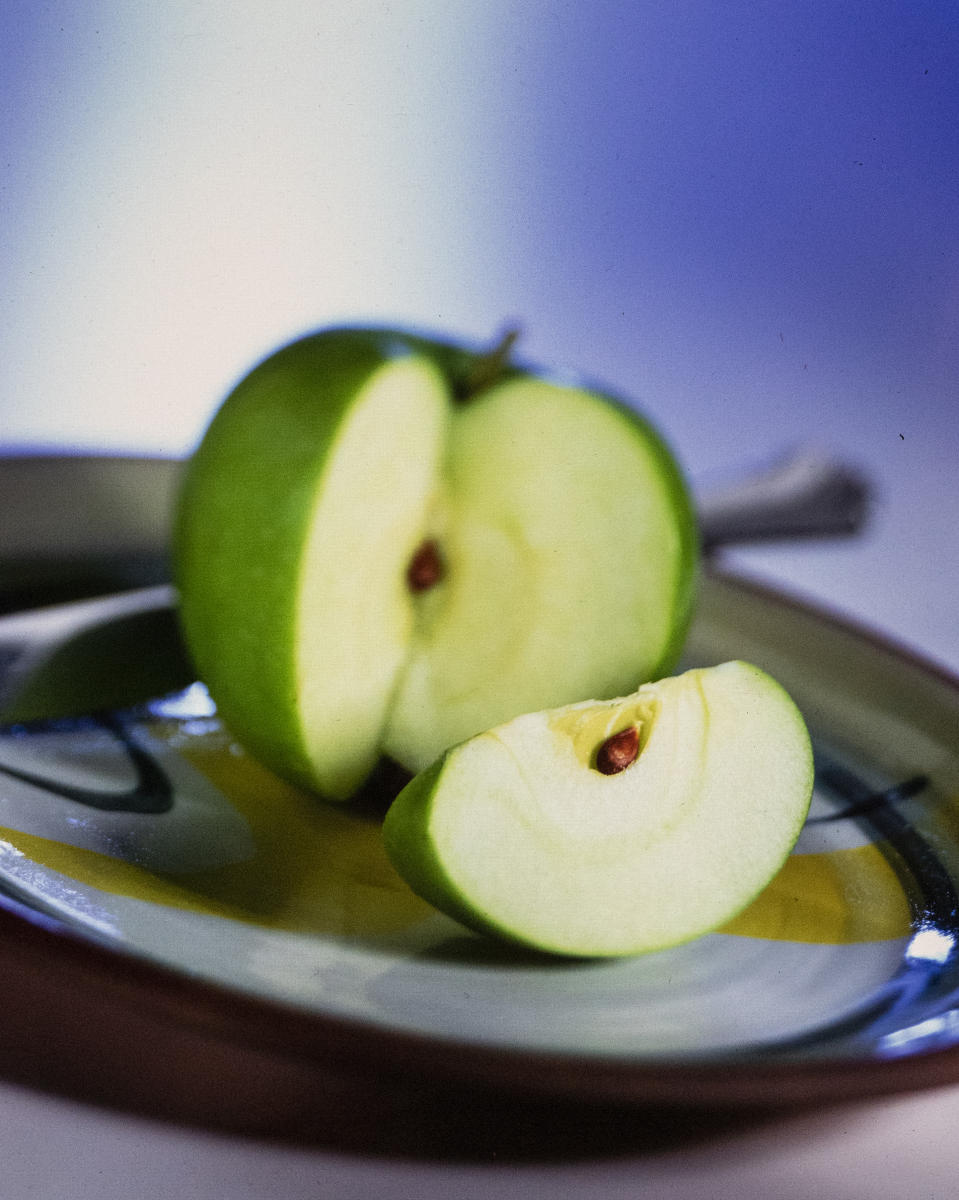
(517, 835)
(320, 475)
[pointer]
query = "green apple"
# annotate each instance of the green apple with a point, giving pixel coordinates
(386, 544)
(614, 827)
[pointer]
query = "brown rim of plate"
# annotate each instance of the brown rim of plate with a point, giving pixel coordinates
(93, 1022)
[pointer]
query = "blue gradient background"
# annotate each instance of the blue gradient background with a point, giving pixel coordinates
(746, 215)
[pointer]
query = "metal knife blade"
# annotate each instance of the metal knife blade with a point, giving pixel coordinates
(87, 656)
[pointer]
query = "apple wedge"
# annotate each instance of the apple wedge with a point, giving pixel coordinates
(616, 827)
(385, 545)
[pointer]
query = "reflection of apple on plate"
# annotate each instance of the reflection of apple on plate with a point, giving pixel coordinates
(386, 545)
(616, 827)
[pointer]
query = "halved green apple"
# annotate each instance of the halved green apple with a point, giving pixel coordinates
(385, 545)
(617, 827)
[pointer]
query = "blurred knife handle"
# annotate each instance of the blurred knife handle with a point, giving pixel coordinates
(808, 494)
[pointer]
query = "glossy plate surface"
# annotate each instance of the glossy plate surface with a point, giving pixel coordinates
(176, 877)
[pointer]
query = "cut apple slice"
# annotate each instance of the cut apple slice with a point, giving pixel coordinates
(293, 565)
(617, 827)
(354, 608)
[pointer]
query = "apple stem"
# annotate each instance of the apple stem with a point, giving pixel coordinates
(489, 366)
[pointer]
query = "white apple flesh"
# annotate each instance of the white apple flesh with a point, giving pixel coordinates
(553, 524)
(530, 833)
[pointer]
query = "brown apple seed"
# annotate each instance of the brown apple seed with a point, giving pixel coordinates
(426, 567)
(618, 752)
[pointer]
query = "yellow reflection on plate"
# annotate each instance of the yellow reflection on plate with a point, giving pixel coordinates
(318, 868)
(849, 895)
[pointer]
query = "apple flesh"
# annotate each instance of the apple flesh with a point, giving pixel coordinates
(617, 827)
(385, 545)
